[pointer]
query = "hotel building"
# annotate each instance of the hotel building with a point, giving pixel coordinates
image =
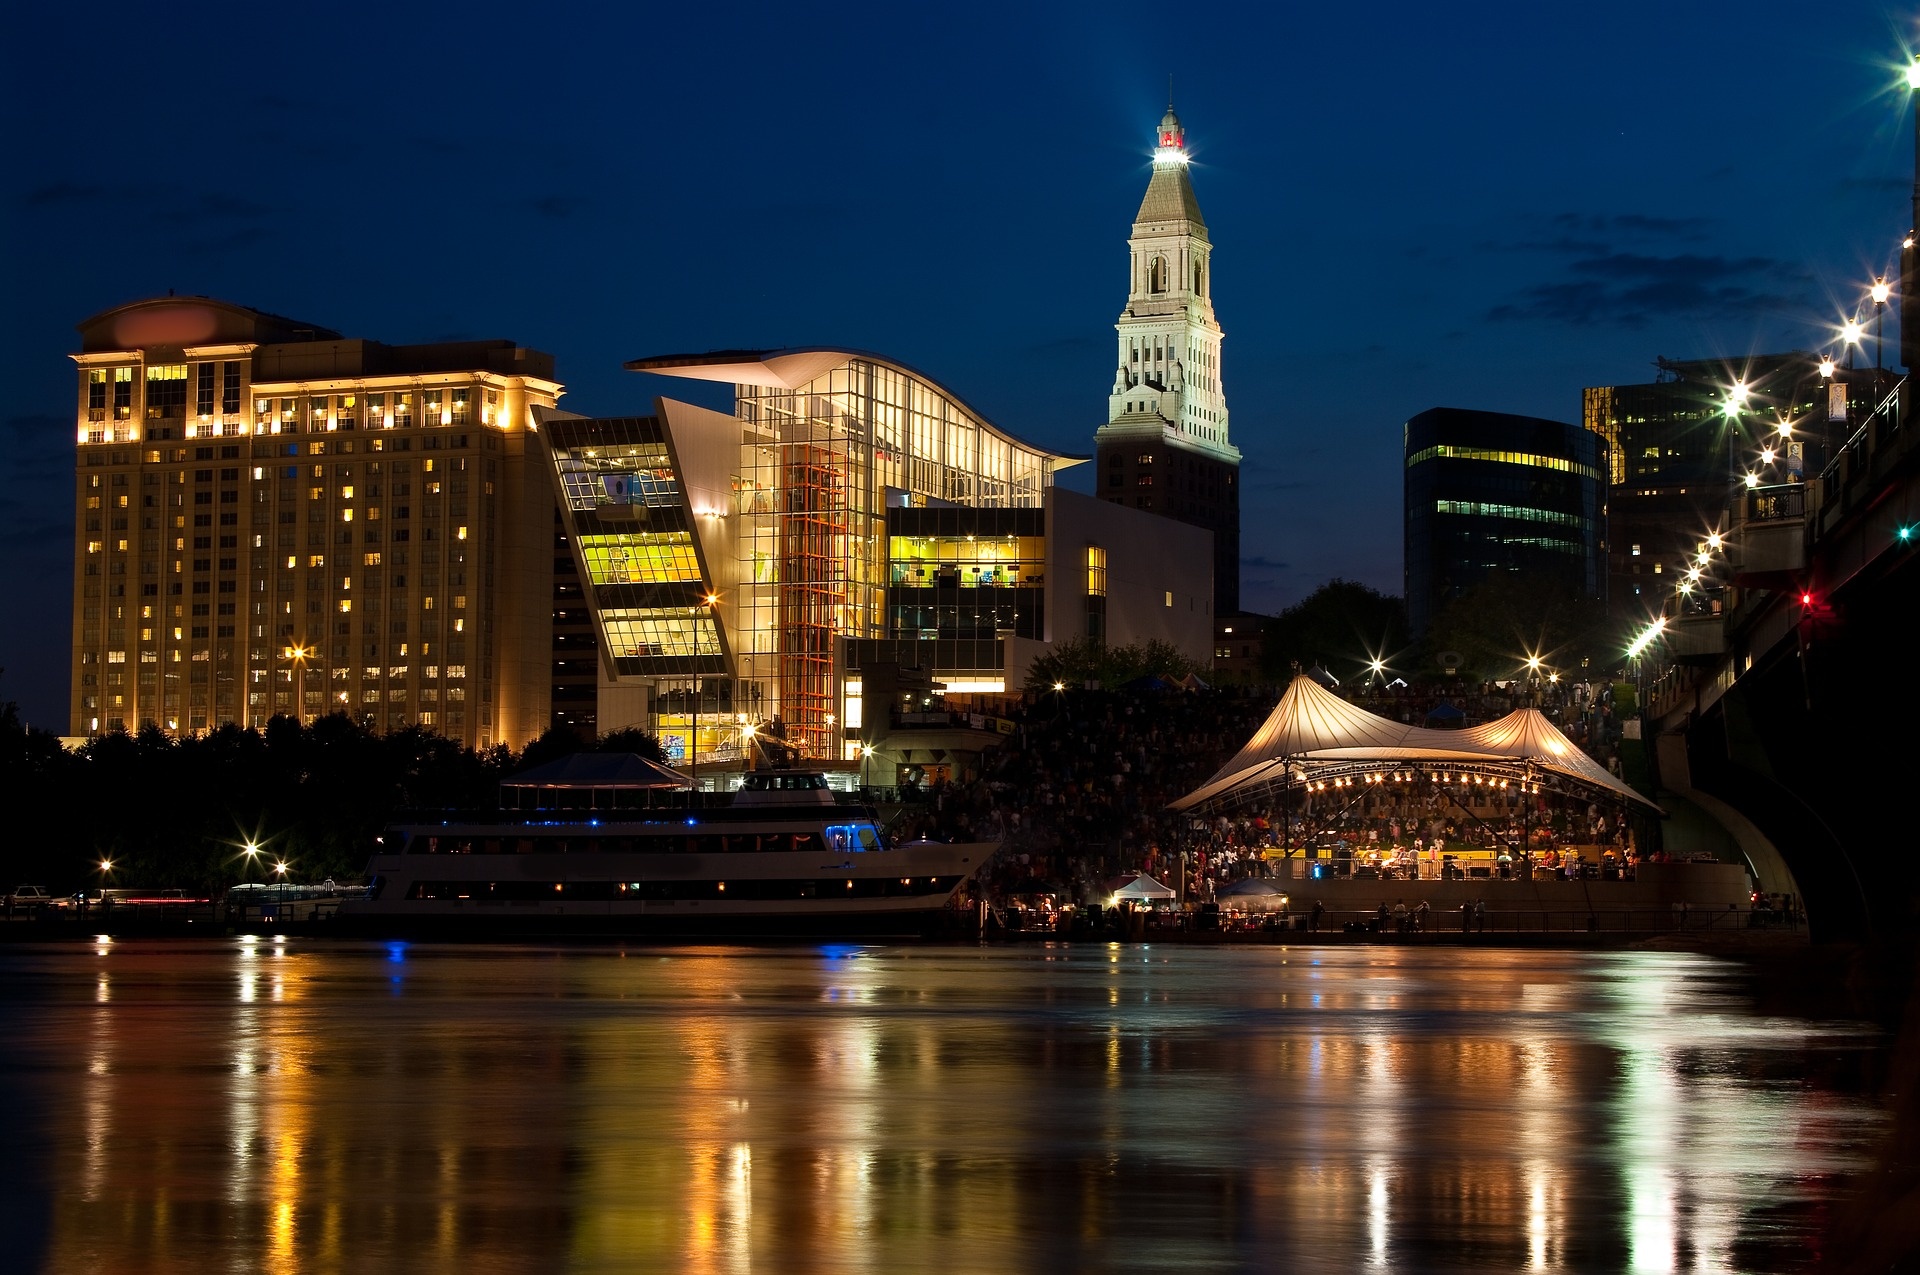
(274, 519)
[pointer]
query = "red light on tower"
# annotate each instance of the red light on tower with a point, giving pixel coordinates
(1806, 599)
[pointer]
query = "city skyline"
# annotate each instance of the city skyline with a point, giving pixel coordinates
(1392, 235)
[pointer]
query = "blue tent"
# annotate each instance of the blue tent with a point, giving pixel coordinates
(1446, 715)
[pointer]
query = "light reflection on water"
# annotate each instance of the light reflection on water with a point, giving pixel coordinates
(307, 1106)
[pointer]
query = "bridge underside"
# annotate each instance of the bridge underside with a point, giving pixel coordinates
(1818, 745)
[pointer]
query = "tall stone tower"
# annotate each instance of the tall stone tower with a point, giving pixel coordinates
(1165, 447)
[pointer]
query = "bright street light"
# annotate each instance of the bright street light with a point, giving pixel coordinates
(1826, 367)
(1880, 291)
(1646, 638)
(1852, 331)
(1913, 73)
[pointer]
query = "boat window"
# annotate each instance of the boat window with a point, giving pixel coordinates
(869, 838)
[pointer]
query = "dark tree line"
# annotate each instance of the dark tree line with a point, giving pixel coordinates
(1492, 628)
(177, 813)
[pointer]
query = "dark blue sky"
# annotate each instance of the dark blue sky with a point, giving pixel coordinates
(1479, 205)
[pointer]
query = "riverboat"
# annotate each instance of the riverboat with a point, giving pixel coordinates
(782, 859)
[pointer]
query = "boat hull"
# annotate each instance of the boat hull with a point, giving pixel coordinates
(904, 891)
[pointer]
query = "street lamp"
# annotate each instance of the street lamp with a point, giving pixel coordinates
(1850, 333)
(252, 852)
(1879, 292)
(298, 655)
(866, 755)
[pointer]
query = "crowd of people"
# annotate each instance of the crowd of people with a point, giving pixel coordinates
(1078, 794)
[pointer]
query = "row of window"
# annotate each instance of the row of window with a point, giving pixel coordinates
(1447, 451)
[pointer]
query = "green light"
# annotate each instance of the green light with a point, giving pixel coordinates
(1905, 534)
(1913, 74)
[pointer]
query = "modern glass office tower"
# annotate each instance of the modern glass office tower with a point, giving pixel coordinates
(273, 519)
(1677, 457)
(1486, 492)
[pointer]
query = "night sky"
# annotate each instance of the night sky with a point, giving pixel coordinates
(1472, 205)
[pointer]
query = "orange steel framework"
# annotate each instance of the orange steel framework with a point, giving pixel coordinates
(813, 538)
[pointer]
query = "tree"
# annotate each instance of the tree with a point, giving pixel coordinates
(1083, 660)
(1340, 626)
(633, 740)
(1496, 625)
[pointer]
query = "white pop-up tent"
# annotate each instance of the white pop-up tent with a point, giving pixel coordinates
(1313, 734)
(1137, 887)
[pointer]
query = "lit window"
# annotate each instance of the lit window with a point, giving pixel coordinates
(1096, 571)
(346, 604)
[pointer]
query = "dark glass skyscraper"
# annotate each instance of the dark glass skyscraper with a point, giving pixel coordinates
(1487, 492)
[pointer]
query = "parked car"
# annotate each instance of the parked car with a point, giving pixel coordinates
(28, 898)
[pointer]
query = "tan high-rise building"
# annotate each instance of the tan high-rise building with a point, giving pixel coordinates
(273, 519)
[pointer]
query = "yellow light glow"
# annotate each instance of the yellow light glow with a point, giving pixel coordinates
(1766, 455)
(1913, 74)
(1851, 332)
(1826, 367)
(1713, 541)
(1753, 480)
(1785, 428)
(1880, 291)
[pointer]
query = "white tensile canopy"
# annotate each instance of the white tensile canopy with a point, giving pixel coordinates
(1137, 887)
(1312, 729)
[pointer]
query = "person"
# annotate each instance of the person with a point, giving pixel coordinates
(1422, 917)
(1480, 915)
(1380, 916)
(1319, 911)
(1466, 918)
(1400, 915)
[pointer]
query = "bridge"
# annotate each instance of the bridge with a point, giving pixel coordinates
(1791, 714)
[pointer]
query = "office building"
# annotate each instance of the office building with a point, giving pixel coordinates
(272, 519)
(1676, 455)
(1165, 447)
(1487, 493)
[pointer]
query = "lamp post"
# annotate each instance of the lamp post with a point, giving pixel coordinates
(1850, 334)
(297, 655)
(1736, 402)
(1879, 292)
(866, 775)
(252, 852)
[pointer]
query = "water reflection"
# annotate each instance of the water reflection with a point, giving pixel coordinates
(343, 1108)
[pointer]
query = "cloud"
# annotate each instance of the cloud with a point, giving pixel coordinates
(1877, 185)
(1633, 289)
(211, 207)
(1265, 564)
(65, 192)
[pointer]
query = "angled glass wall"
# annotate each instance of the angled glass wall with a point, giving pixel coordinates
(634, 543)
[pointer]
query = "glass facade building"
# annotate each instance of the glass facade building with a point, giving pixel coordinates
(1675, 457)
(1486, 492)
(730, 556)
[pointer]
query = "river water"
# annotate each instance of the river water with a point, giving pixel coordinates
(244, 1105)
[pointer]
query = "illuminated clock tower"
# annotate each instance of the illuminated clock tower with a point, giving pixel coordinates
(1165, 447)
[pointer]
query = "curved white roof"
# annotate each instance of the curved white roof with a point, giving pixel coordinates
(1313, 726)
